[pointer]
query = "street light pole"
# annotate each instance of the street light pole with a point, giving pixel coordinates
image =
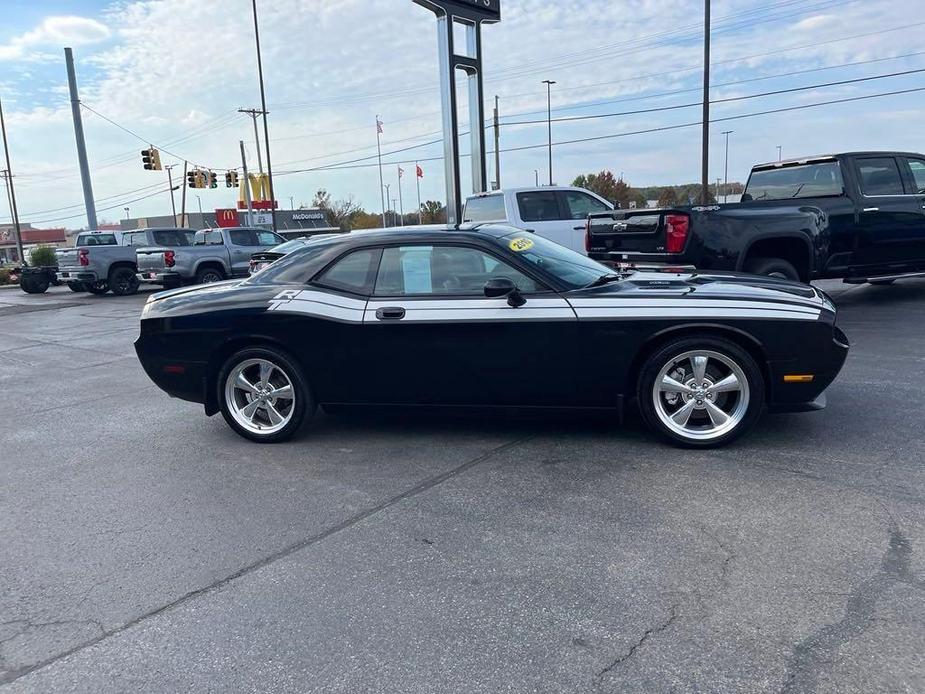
(727, 133)
(253, 113)
(126, 213)
(263, 107)
(705, 152)
(9, 183)
(536, 177)
(387, 192)
(778, 153)
(549, 84)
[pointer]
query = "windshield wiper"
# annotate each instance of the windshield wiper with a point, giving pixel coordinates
(604, 279)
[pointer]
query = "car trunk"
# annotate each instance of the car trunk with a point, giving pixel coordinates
(635, 231)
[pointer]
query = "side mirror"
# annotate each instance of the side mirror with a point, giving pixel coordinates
(497, 287)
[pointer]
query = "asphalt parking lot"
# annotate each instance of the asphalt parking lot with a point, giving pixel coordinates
(146, 547)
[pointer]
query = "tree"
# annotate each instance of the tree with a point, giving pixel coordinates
(668, 197)
(603, 183)
(322, 200)
(43, 256)
(432, 212)
(364, 220)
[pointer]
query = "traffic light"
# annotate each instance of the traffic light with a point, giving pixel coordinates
(213, 179)
(231, 179)
(151, 159)
(191, 179)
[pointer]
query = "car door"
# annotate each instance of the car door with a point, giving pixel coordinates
(434, 338)
(543, 213)
(915, 182)
(242, 244)
(579, 205)
(889, 217)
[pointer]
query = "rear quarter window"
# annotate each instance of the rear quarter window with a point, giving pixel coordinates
(486, 208)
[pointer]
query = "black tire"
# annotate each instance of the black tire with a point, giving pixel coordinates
(76, 286)
(746, 405)
(772, 267)
(99, 288)
(207, 275)
(34, 285)
(880, 283)
(302, 408)
(122, 281)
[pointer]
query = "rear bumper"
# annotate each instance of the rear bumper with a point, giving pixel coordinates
(69, 275)
(159, 277)
(181, 379)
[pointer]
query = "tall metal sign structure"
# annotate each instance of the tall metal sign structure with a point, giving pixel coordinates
(471, 14)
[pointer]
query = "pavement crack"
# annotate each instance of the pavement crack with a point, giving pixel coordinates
(349, 522)
(818, 650)
(646, 635)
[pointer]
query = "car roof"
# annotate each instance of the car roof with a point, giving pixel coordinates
(815, 158)
(482, 231)
(527, 189)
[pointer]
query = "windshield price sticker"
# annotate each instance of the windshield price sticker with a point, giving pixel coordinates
(520, 245)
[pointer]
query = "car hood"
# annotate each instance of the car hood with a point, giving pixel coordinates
(700, 285)
(216, 296)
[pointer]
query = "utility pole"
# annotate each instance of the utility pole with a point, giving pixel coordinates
(393, 214)
(497, 147)
(718, 182)
(263, 107)
(8, 177)
(705, 151)
(387, 193)
(246, 184)
(183, 221)
(291, 203)
(549, 84)
(253, 113)
(536, 177)
(81, 144)
(202, 219)
(173, 202)
(417, 180)
(778, 153)
(401, 205)
(379, 154)
(726, 133)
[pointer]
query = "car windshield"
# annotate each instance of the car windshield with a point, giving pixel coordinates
(572, 269)
(288, 247)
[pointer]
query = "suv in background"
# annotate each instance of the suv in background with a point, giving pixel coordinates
(557, 213)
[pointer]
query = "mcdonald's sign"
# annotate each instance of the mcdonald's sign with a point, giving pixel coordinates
(260, 193)
(226, 217)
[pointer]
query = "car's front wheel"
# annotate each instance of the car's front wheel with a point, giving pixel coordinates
(701, 392)
(263, 395)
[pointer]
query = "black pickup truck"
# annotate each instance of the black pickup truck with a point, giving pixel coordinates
(858, 215)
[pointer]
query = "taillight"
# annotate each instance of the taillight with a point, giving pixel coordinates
(678, 225)
(588, 236)
(169, 258)
(83, 256)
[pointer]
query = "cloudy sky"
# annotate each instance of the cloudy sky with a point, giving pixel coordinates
(174, 72)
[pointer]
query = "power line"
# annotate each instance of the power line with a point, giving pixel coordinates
(104, 209)
(103, 199)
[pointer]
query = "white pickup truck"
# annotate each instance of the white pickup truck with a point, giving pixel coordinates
(557, 213)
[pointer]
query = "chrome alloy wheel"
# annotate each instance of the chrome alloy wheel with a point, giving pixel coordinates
(701, 395)
(260, 396)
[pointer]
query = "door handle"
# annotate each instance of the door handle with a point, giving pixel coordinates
(873, 209)
(581, 228)
(390, 313)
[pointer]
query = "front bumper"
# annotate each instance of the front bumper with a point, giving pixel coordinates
(806, 396)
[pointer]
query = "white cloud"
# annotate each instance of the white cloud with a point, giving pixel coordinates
(55, 31)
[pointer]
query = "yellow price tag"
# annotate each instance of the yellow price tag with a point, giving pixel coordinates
(520, 245)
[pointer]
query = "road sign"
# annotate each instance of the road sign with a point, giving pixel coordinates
(485, 10)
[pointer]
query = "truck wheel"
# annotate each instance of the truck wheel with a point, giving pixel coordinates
(76, 286)
(209, 274)
(123, 282)
(263, 395)
(772, 267)
(99, 288)
(33, 285)
(701, 392)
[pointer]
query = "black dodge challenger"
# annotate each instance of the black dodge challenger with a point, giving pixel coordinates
(486, 317)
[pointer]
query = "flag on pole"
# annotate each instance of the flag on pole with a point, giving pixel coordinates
(378, 125)
(401, 172)
(420, 171)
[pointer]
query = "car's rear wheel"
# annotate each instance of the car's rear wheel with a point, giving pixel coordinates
(207, 275)
(701, 392)
(98, 288)
(76, 286)
(772, 267)
(123, 282)
(263, 395)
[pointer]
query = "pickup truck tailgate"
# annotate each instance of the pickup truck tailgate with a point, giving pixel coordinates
(633, 231)
(150, 259)
(67, 257)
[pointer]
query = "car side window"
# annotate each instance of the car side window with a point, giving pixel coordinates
(580, 205)
(241, 237)
(539, 206)
(880, 176)
(917, 167)
(352, 272)
(444, 270)
(267, 238)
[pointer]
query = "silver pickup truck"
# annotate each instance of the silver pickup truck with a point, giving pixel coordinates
(215, 255)
(104, 261)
